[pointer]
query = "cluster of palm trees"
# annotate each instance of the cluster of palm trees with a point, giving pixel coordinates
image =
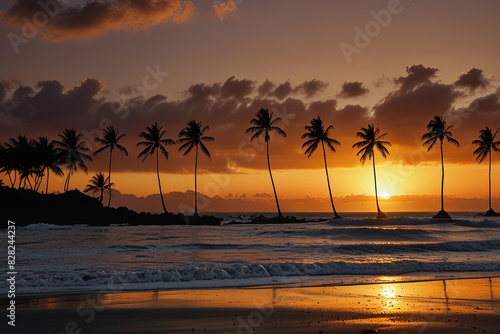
(27, 161)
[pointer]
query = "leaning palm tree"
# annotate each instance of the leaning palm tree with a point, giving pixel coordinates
(192, 136)
(73, 148)
(110, 140)
(265, 124)
(371, 138)
(98, 183)
(317, 134)
(154, 142)
(486, 144)
(438, 130)
(49, 157)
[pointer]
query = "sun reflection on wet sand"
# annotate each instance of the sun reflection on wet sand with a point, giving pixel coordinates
(388, 307)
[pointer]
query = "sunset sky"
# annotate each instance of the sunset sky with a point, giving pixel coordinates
(90, 64)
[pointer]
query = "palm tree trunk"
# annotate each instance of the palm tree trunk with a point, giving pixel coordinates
(159, 183)
(490, 182)
(66, 184)
(109, 176)
(380, 214)
(328, 182)
(47, 185)
(272, 181)
(102, 195)
(196, 183)
(442, 178)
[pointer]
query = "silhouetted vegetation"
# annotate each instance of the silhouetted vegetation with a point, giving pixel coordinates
(109, 141)
(487, 143)
(99, 184)
(264, 125)
(438, 130)
(317, 134)
(26, 162)
(73, 150)
(192, 136)
(154, 143)
(371, 139)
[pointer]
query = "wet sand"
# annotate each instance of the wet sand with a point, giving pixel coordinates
(451, 306)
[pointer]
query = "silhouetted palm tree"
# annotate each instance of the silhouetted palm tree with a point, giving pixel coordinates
(20, 151)
(438, 130)
(98, 183)
(48, 156)
(265, 124)
(486, 144)
(110, 140)
(317, 134)
(372, 138)
(154, 142)
(7, 163)
(73, 149)
(192, 136)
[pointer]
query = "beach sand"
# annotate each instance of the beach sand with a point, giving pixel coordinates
(451, 306)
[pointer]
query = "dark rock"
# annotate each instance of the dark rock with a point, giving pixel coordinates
(441, 215)
(27, 207)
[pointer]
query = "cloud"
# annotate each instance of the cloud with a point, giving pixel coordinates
(48, 103)
(266, 88)
(282, 91)
(472, 80)
(352, 89)
(225, 10)
(237, 89)
(96, 18)
(417, 75)
(311, 88)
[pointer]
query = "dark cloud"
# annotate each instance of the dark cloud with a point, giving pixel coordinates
(322, 107)
(487, 104)
(472, 80)
(311, 88)
(282, 91)
(237, 89)
(97, 18)
(49, 104)
(417, 75)
(266, 88)
(352, 89)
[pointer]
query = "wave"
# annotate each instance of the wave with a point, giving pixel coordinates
(247, 271)
(485, 223)
(354, 249)
(44, 227)
(359, 233)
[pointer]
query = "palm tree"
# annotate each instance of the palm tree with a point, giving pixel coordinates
(487, 143)
(154, 142)
(317, 134)
(20, 151)
(192, 136)
(99, 184)
(372, 138)
(110, 140)
(49, 157)
(438, 130)
(265, 124)
(73, 148)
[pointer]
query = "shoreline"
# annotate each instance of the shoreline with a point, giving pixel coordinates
(319, 281)
(438, 306)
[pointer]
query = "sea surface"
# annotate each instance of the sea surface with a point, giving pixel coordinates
(54, 260)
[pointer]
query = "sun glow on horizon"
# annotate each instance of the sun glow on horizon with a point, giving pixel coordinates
(385, 195)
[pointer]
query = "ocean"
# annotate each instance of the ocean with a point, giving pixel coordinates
(53, 260)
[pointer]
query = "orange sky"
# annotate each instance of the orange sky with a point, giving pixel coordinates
(220, 66)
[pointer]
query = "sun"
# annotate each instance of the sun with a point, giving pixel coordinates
(385, 195)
